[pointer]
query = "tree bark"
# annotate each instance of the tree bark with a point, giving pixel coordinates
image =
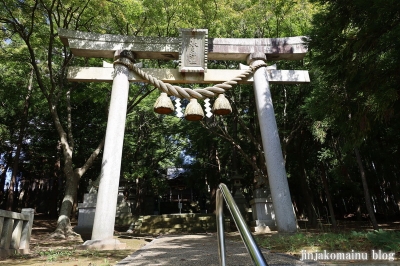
(308, 198)
(64, 228)
(4, 169)
(56, 178)
(328, 197)
(366, 191)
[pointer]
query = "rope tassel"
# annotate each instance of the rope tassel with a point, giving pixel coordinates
(163, 105)
(193, 111)
(222, 106)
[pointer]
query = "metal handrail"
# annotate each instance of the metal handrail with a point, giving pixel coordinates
(247, 237)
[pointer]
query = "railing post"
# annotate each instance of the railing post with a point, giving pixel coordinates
(251, 245)
(27, 228)
(220, 227)
(16, 234)
(6, 233)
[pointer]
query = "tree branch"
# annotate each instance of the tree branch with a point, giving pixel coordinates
(92, 158)
(227, 137)
(133, 103)
(69, 119)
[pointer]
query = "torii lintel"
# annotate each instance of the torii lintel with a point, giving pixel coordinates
(193, 49)
(87, 44)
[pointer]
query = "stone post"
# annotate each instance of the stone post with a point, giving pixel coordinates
(87, 210)
(27, 228)
(285, 218)
(104, 219)
(263, 211)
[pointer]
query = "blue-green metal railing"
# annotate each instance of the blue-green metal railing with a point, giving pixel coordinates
(247, 237)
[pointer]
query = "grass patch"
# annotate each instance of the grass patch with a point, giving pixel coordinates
(65, 254)
(385, 240)
(53, 255)
(333, 242)
(68, 257)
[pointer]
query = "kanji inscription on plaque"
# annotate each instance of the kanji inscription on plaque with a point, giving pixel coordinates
(194, 49)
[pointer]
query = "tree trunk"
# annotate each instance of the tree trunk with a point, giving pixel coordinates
(24, 119)
(308, 199)
(53, 208)
(328, 197)
(139, 197)
(74, 207)
(366, 191)
(64, 228)
(3, 175)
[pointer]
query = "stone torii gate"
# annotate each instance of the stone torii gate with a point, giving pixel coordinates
(193, 49)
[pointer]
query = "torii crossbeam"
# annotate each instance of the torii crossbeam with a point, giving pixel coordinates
(193, 49)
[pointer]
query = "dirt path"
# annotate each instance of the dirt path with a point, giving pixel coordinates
(48, 251)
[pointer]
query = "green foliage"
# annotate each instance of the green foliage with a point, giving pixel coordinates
(381, 239)
(355, 62)
(152, 142)
(229, 18)
(353, 98)
(333, 242)
(385, 240)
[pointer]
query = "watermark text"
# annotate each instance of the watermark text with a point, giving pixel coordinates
(352, 255)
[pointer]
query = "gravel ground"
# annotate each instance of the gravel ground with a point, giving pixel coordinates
(200, 249)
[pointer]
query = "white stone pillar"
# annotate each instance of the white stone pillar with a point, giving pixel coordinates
(104, 219)
(285, 218)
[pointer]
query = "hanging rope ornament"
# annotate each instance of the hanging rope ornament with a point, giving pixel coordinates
(163, 105)
(188, 93)
(193, 111)
(222, 106)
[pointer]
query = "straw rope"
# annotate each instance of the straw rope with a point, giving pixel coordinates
(188, 93)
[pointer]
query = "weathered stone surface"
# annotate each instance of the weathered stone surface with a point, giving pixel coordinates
(105, 74)
(103, 244)
(106, 206)
(87, 44)
(13, 215)
(285, 218)
(15, 231)
(289, 48)
(194, 49)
